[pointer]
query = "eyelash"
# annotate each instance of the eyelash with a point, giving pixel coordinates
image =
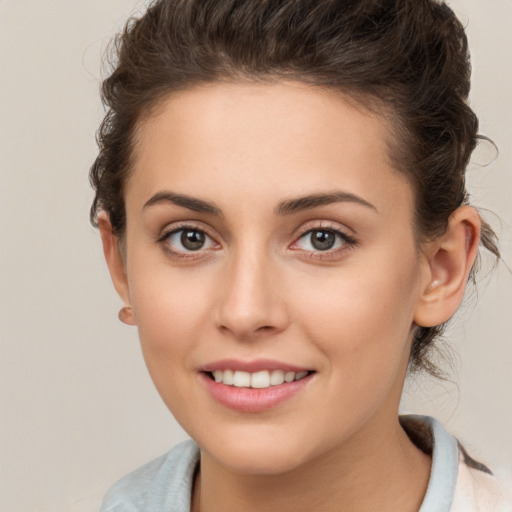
(183, 228)
(347, 242)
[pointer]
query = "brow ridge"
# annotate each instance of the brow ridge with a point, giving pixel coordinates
(191, 203)
(321, 199)
(284, 208)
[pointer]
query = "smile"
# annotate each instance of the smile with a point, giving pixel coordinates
(254, 386)
(258, 380)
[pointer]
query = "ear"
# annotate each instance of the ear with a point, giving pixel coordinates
(115, 262)
(450, 259)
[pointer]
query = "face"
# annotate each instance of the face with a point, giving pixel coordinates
(269, 238)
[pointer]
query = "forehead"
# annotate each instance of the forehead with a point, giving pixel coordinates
(288, 138)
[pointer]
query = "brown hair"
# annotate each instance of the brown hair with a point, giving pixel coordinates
(405, 57)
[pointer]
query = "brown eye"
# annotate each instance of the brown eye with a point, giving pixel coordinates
(322, 240)
(192, 239)
(188, 240)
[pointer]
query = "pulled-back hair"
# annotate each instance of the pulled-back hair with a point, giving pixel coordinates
(408, 59)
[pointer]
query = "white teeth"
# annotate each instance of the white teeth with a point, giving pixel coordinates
(242, 379)
(289, 376)
(258, 380)
(277, 378)
(228, 378)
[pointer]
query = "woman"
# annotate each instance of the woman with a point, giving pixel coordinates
(280, 194)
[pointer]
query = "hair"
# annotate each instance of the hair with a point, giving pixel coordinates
(408, 59)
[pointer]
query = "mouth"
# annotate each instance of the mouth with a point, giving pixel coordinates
(262, 379)
(257, 386)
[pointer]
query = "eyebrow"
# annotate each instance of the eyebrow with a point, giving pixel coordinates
(287, 207)
(315, 200)
(191, 203)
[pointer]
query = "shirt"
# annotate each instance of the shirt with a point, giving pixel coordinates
(457, 482)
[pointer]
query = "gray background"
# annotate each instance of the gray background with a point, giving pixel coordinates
(77, 407)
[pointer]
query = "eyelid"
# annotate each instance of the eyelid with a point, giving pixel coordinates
(179, 225)
(347, 239)
(327, 225)
(309, 227)
(322, 225)
(183, 226)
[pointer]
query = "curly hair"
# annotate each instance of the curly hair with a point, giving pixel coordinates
(408, 59)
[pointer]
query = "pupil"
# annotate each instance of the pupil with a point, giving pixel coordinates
(323, 240)
(192, 240)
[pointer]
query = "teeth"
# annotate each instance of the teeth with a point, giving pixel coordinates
(228, 378)
(258, 380)
(289, 376)
(276, 378)
(242, 380)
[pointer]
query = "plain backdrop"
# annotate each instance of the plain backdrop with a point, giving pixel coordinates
(77, 408)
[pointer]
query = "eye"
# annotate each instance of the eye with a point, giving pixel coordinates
(323, 240)
(188, 240)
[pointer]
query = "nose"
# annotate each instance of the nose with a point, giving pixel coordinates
(251, 298)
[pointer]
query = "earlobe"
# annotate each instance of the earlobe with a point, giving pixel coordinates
(116, 265)
(450, 259)
(125, 315)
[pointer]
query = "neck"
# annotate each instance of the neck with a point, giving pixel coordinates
(378, 469)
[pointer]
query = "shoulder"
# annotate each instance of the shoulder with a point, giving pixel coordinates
(481, 489)
(457, 483)
(164, 484)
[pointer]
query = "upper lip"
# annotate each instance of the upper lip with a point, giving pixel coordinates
(256, 365)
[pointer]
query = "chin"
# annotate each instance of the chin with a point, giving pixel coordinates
(259, 462)
(257, 454)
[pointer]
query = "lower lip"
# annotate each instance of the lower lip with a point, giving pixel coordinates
(252, 399)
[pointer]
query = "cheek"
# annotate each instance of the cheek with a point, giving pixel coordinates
(362, 325)
(362, 314)
(171, 310)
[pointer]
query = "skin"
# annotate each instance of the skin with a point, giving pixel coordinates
(259, 289)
